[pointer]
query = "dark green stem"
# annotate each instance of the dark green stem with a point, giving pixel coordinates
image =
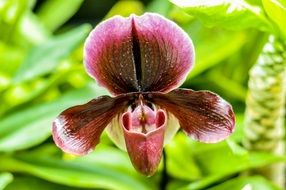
(164, 178)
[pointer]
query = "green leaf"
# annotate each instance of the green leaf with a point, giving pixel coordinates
(54, 13)
(180, 162)
(30, 93)
(181, 17)
(238, 135)
(226, 13)
(45, 57)
(208, 54)
(125, 8)
(32, 183)
(255, 2)
(231, 87)
(36, 34)
(10, 57)
(159, 6)
(5, 179)
(15, 17)
(235, 148)
(11, 12)
(277, 13)
(105, 168)
(231, 163)
(218, 161)
(253, 183)
(32, 126)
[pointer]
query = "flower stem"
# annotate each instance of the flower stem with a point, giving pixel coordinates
(265, 107)
(164, 178)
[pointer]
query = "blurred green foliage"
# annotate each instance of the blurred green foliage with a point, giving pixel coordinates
(41, 74)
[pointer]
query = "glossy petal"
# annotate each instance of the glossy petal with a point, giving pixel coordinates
(145, 150)
(138, 53)
(108, 55)
(77, 130)
(115, 131)
(166, 52)
(203, 115)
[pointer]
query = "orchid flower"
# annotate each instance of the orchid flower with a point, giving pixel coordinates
(141, 60)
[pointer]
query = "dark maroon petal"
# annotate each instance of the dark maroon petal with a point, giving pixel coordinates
(203, 115)
(166, 52)
(77, 130)
(109, 56)
(145, 150)
(138, 53)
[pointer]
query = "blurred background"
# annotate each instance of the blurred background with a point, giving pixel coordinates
(42, 74)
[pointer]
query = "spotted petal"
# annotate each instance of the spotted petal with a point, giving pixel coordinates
(166, 53)
(77, 130)
(203, 115)
(138, 53)
(109, 56)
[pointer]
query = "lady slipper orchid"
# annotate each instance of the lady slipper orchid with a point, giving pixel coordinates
(141, 60)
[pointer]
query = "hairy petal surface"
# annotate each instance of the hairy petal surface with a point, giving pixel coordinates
(138, 53)
(144, 149)
(203, 115)
(77, 130)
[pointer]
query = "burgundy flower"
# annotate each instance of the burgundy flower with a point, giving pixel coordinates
(141, 60)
